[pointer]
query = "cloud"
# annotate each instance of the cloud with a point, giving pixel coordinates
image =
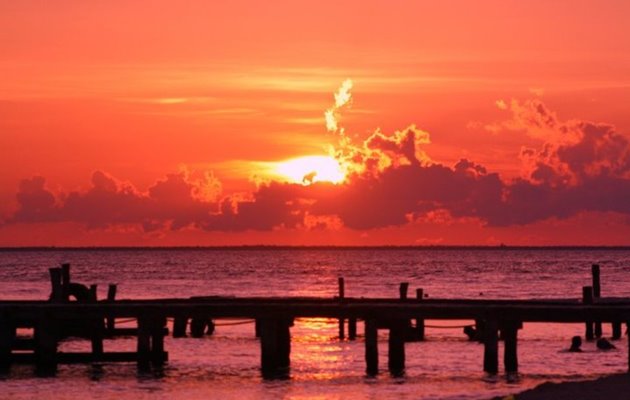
(343, 97)
(578, 167)
(175, 201)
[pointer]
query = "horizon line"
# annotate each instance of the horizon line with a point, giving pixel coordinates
(323, 247)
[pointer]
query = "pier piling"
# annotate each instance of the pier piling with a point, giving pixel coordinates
(179, 327)
(491, 347)
(597, 292)
(371, 347)
(510, 354)
(275, 347)
(419, 321)
(616, 331)
(46, 347)
(342, 295)
(7, 336)
(111, 297)
(396, 353)
(587, 298)
(352, 328)
(143, 347)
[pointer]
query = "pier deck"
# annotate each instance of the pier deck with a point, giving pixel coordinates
(275, 316)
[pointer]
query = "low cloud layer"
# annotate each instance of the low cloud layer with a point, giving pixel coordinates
(579, 167)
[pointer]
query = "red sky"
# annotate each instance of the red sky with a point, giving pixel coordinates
(162, 122)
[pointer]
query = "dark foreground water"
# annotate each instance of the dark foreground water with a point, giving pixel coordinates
(225, 365)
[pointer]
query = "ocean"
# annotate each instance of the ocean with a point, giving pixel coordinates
(226, 364)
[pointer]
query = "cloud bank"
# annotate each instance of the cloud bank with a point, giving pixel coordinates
(579, 167)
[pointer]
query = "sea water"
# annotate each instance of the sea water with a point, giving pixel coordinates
(226, 364)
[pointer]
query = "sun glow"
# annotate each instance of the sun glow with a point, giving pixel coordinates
(311, 169)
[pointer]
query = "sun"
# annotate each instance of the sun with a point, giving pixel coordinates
(310, 169)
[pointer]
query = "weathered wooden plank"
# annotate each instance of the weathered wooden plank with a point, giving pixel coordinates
(223, 308)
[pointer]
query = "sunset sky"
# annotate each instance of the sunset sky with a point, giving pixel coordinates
(314, 123)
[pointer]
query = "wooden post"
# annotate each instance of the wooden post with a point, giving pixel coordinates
(65, 281)
(510, 355)
(198, 327)
(587, 298)
(55, 281)
(491, 348)
(111, 298)
(396, 354)
(342, 295)
(352, 328)
(144, 344)
(179, 327)
(480, 329)
(268, 347)
(597, 292)
(46, 346)
(275, 347)
(157, 341)
(402, 289)
(419, 321)
(371, 347)
(7, 335)
(616, 331)
(628, 330)
(284, 345)
(257, 327)
(96, 326)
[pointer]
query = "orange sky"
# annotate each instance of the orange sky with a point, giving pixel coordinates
(160, 122)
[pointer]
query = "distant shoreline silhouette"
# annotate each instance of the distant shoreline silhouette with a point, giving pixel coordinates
(314, 247)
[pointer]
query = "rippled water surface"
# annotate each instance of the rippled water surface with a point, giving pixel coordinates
(226, 364)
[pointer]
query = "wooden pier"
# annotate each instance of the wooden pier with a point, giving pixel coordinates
(58, 317)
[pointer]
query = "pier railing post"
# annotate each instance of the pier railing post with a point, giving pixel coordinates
(371, 347)
(65, 282)
(491, 347)
(56, 294)
(111, 297)
(402, 290)
(587, 298)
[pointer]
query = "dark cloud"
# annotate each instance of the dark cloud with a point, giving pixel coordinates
(579, 167)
